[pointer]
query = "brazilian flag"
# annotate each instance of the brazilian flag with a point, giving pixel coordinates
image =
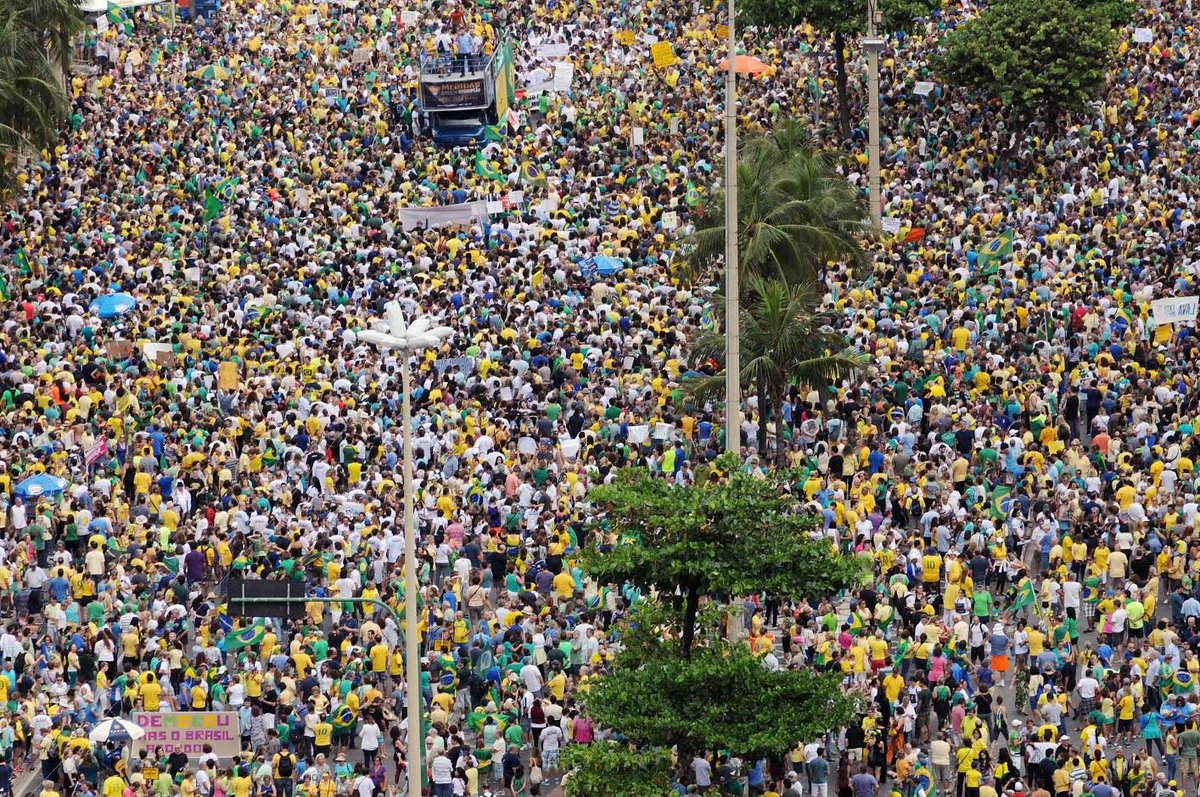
(993, 252)
(484, 168)
(343, 719)
(247, 637)
(118, 18)
(657, 173)
(692, 197)
(532, 174)
(212, 204)
(1001, 503)
(448, 680)
(493, 133)
(21, 261)
(475, 495)
(224, 188)
(858, 623)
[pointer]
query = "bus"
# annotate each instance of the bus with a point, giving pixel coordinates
(462, 95)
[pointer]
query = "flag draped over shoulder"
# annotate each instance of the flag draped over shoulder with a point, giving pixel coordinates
(1025, 596)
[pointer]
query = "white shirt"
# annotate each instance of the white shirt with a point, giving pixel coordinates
(441, 769)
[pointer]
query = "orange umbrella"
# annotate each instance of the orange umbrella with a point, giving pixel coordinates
(746, 65)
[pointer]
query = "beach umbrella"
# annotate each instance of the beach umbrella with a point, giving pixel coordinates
(212, 72)
(41, 484)
(115, 729)
(112, 305)
(746, 65)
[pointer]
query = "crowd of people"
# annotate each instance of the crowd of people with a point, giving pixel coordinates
(1018, 460)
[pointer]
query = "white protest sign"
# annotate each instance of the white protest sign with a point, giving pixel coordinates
(361, 55)
(639, 434)
(408, 18)
(552, 51)
(495, 206)
(923, 88)
(312, 20)
(569, 447)
(890, 226)
(527, 446)
(101, 24)
(663, 431)
(639, 136)
(670, 220)
(192, 273)
(285, 350)
(1176, 310)
(151, 350)
(564, 73)
(1143, 36)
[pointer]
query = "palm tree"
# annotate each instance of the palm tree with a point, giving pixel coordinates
(55, 24)
(32, 100)
(786, 339)
(795, 213)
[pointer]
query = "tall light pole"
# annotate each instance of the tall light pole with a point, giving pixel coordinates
(409, 339)
(874, 44)
(733, 333)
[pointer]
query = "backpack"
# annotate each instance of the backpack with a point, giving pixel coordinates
(286, 765)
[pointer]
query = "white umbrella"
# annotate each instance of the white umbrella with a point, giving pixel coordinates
(115, 730)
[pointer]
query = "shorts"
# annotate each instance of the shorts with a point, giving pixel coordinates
(819, 789)
(1124, 726)
(550, 759)
(1188, 766)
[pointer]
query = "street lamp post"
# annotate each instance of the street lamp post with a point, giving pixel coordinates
(409, 339)
(873, 44)
(733, 341)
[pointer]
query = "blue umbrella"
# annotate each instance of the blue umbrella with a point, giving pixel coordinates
(601, 265)
(41, 484)
(112, 305)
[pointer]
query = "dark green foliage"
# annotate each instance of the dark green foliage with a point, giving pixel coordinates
(1042, 57)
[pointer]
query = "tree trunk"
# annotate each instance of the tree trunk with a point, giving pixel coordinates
(689, 622)
(843, 93)
(761, 393)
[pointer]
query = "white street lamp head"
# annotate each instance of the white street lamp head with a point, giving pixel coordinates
(420, 334)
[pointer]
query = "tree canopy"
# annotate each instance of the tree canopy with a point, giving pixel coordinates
(786, 338)
(845, 19)
(612, 769)
(717, 700)
(795, 212)
(734, 536)
(1042, 57)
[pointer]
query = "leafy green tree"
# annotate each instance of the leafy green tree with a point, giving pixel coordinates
(1042, 57)
(54, 23)
(717, 700)
(736, 536)
(795, 213)
(612, 769)
(32, 100)
(846, 20)
(786, 338)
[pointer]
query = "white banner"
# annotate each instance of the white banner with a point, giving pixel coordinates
(443, 216)
(1176, 310)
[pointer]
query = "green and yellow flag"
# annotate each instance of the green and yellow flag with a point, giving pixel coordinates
(117, 17)
(993, 252)
(247, 637)
(532, 174)
(484, 168)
